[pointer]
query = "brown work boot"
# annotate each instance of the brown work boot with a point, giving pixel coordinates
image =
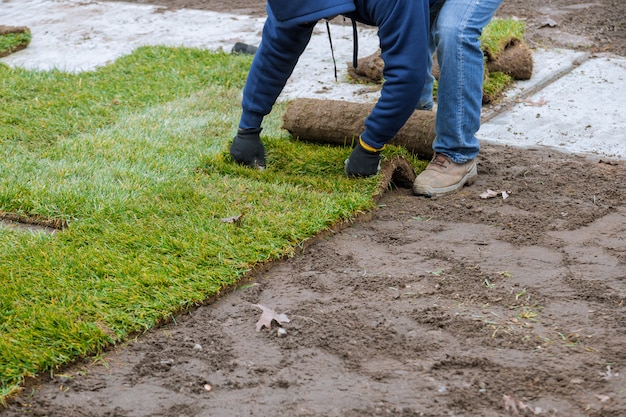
(442, 176)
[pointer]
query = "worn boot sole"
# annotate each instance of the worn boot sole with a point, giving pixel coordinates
(428, 191)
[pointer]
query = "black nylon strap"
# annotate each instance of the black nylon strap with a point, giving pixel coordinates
(332, 51)
(355, 40)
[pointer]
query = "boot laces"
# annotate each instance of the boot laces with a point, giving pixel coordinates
(441, 160)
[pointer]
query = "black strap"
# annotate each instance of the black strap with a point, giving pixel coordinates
(332, 52)
(355, 50)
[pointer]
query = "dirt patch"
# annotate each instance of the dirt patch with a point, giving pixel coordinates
(576, 24)
(459, 306)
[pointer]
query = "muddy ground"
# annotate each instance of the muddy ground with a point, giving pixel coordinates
(456, 306)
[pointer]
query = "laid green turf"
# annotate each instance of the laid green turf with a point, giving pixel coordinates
(134, 157)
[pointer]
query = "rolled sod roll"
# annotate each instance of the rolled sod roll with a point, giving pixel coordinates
(339, 122)
(516, 60)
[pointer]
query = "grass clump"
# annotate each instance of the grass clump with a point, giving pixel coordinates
(495, 84)
(13, 41)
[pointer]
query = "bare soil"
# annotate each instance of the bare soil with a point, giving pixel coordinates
(456, 306)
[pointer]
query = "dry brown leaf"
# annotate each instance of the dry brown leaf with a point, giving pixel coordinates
(548, 22)
(492, 194)
(268, 316)
(232, 219)
(489, 194)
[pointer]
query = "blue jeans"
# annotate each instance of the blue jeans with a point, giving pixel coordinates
(456, 26)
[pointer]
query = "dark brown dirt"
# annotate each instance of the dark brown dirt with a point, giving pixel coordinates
(598, 26)
(456, 306)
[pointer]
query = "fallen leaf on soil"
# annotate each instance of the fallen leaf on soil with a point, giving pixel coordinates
(268, 316)
(548, 22)
(492, 194)
(489, 194)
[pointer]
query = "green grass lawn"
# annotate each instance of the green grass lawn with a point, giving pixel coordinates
(132, 159)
